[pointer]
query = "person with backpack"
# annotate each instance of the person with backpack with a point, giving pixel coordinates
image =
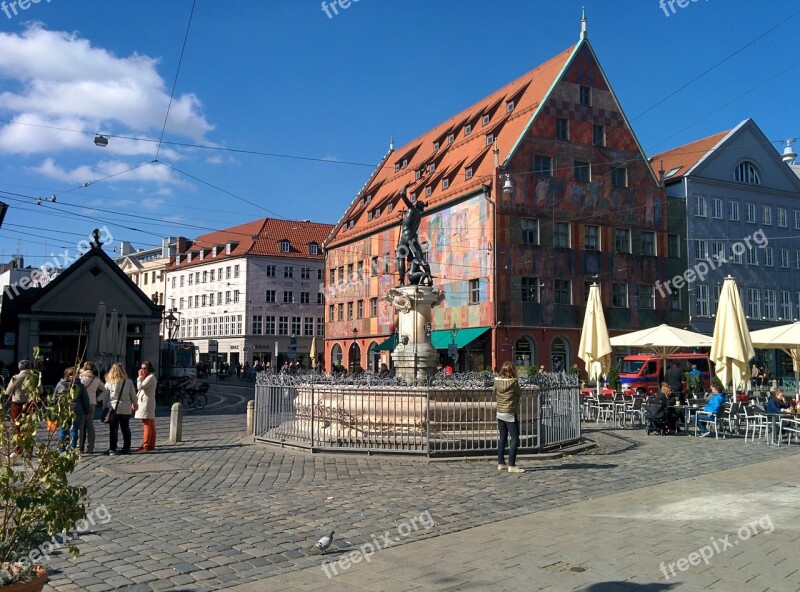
(121, 400)
(70, 386)
(20, 387)
(94, 386)
(656, 411)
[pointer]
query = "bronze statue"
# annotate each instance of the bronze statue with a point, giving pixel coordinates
(409, 250)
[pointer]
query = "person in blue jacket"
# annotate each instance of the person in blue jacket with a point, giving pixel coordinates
(775, 406)
(711, 410)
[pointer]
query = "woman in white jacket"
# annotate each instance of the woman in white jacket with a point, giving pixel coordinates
(122, 399)
(146, 396)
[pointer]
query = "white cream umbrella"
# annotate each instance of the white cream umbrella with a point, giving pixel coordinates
(732, 348)
(595, 348)
(122, 340)
(663, 340)
(97, 338)
(783, 337)
(111, 339)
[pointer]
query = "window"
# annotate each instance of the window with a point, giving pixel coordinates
(767, 215)
(619, 295)
(797, 259)
(236, 271)
(715, 299)
(173, 283)
(284, 246)
(675, 300)
(283, 325)
(340, 311)
(305, 297)
(509, 106)
(716, 208)
(785, 258)
(622, 240)
(258, 324)
(783, 219)
(733, 211)
(181, 280)
(451, 138)
(542, 165)
(796, 216)
(341, 274)
(445, 183)
(428, 191)
(485, 120)
(701, 304)
(585, 95)
(204, 299)
(386, 263)
(269, 325)
(561, 234)
(769, 257)
(270, 270)
(752, 256)
(313, 249)
(736, 254)
(296, 325)
(562, 129)
(648, 243)
(562, 291)
(468, 129)
(374, 269)
(350, 276)
(753, 303)
(288, 297)
(330, 313)
(468, 173)
(769, 304)
(700, 249)
(530, 231)
(598, 135)
(270, 296)
(319, 275)
(751, 213)
(530, 289)
(360, 309)
(647, 297)
(288, 271)
(228, 272)
(182, 303)
(747, 173)
(373, 307)
(591, 238)
(308, 326)
(619, 177)
(474, 291)
(435, 146)
(786, 305)
(700, 207)
(718, 251)
(673, 246)
(305, 273)
(197, 301)
(489, 139)
(581, 170)
(320, 326)
(320, 298)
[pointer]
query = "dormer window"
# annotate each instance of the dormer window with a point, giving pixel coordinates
(230, 246)
(202, 254)
(445, 183)
(405, 163)
(451, 138)
(396, 167)
(369, 198)
(389, 208)
(509, 106)
(189, 257)
(747, 172)
(377, 212)
(369, 215)
(432, 168)
(419, 173)
(284, 246)
(489, 139)
(428, 190)
(361, 202)
(468, 173)
(486, 119)
(435, 146)
(467, 129)
(313, 248)
(178, 259)
(214, 250)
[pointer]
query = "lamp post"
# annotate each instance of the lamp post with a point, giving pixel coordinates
(353, 351)
(453, 349)
(172, 324)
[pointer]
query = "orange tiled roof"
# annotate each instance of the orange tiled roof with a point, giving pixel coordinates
(452, 159)
(684, 157)
(260, 237)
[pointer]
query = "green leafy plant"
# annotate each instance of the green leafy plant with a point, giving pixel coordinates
(613, 379)
(37, 500)
(694, 382)
(533, 370)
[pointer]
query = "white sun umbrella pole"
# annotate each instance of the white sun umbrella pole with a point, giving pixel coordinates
(112, 338)
(97, 338)
(595, 348)
(732, 348)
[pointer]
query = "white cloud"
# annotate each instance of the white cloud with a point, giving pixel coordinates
(101, 171)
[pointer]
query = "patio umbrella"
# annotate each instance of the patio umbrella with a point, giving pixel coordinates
(97, 338)
(112, 337)
(732, 348)
(595, 348)
(663, 340)
(122, 339)
(783, 337)
(313, 353)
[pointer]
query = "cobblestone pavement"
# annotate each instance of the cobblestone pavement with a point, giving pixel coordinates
(217, 510)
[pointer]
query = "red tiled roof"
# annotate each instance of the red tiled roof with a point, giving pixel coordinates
(259, 237)
(383, 187)
(684, 157)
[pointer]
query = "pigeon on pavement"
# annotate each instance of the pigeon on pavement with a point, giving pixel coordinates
(324, 543)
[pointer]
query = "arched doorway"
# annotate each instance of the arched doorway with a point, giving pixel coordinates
(336, 356)
(559, 355)
(354, 359)
(524, 352)
(373, 358)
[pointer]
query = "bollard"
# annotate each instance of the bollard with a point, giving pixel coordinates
(251, 412)
(176, 424)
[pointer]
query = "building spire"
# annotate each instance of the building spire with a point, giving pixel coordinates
(584, 32)
(391, 143)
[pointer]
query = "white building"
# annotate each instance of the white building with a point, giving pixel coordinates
(254, 290)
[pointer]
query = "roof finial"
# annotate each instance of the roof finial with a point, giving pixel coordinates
(584, 33)
(391, 142)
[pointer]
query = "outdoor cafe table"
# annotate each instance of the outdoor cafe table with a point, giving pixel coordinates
(774, 425)
(687, 413)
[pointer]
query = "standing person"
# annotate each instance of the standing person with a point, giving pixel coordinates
(18, 387)
(146, 403)
(507, 393)
(70, 386)
(121, 397)
(96, 390)
(674, 379)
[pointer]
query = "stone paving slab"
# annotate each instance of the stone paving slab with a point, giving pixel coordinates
(205, 521)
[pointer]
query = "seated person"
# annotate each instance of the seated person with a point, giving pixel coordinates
(656, 412)
(777, 404)
(715, 404)
(672, 413)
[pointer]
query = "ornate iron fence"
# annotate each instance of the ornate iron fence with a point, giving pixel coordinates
(450, 415)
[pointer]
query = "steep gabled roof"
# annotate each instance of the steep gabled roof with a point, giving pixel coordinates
(467, 151)
(683, 159)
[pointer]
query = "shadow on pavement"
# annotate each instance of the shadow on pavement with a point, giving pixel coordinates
(623, 586)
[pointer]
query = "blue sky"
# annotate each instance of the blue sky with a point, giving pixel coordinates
(284, 78)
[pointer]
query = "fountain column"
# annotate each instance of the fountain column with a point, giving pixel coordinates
(415, 359)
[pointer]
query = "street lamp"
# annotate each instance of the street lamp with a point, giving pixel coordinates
(353, 351)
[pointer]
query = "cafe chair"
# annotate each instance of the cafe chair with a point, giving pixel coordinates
(754, 422)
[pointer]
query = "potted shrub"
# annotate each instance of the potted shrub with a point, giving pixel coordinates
(614, 383)
(37, 502)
